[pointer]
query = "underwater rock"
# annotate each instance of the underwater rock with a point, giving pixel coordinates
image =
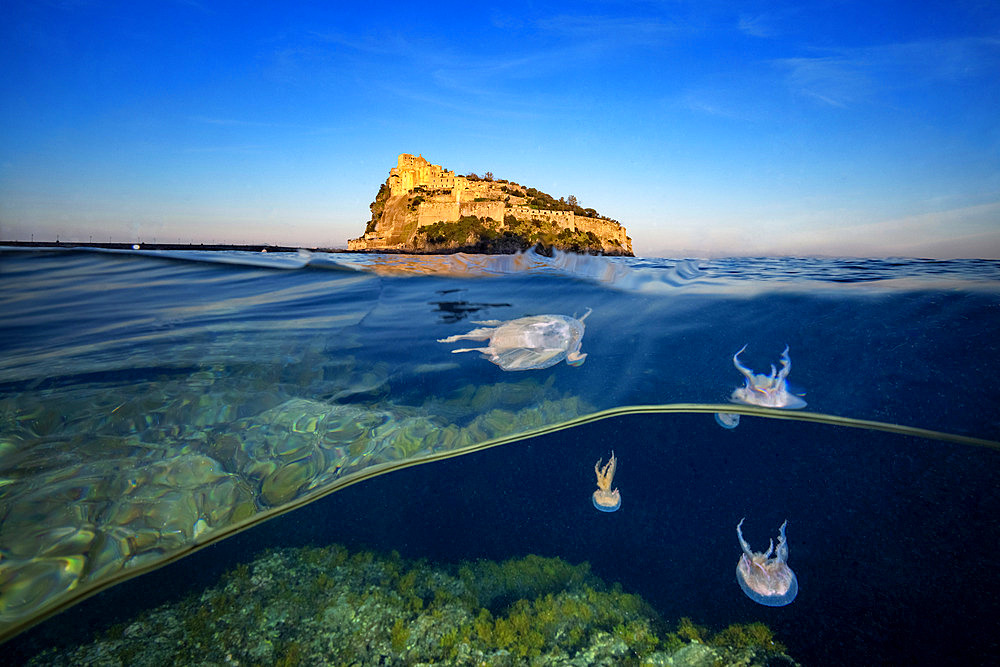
(284, 484)
(135, 477)
(28, 585)
(84, 523)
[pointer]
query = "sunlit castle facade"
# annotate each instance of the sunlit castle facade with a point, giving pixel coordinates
(414, 171)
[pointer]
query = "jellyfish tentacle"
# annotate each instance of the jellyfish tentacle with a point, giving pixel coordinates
(747, 373)
(782, 553)
(606, 474)
(786, 364)
(743, 543)
(476, 334)
(589, 311)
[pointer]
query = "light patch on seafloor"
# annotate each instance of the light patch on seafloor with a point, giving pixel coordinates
(172, 463)
(435, 368)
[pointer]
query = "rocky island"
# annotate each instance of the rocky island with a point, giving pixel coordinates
(424, 208)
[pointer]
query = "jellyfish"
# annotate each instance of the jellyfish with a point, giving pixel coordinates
(728, 420)
(528, 343)
(769, 391)
(605, 499)
(766, 580)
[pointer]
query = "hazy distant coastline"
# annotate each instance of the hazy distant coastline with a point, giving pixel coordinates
(254, 247)
(219, 247)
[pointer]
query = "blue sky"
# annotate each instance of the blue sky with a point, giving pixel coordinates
(706, 128)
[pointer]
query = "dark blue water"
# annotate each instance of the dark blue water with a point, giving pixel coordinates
(893, 538)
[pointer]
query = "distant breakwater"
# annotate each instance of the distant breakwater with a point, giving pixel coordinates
(137, 245)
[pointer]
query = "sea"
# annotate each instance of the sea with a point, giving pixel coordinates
(179, 428)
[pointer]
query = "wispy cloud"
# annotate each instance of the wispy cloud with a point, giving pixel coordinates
(504, 20)
(238, 123)
(848, 76)
(760, 25)
(420, 52)
(712, 102)
(603, 32)
(231, 122)
(197, 5)
(470, 102)
(244, 149)
(832, 80)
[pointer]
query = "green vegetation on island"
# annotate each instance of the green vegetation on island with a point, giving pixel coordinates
(483, 235)
(377, 207)
(545, 202)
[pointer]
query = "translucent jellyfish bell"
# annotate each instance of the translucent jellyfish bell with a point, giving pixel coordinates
(728, 420)
(604, 498)
(528, 343)
(766, 580)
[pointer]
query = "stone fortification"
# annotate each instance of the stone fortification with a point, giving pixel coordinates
(418, 195)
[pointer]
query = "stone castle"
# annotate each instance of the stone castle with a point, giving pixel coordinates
(418, 194)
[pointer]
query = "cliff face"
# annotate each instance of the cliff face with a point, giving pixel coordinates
(424, 208)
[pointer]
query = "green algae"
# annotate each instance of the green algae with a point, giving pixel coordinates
(750, 635)
(319, 605)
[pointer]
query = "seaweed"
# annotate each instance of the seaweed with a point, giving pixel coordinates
(324, 604)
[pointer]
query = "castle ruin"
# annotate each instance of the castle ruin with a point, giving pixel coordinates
(418, 194)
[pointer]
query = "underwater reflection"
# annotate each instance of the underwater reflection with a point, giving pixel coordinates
(728, 420)
(455, 311)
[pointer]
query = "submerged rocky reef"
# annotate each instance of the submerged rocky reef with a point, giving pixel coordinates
(101, 479)
(326, 605)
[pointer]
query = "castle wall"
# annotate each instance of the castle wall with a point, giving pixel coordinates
(475, 189)
(433, 211)
(430, 212)
(604, 229)
(562, 218)
(483, 209)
